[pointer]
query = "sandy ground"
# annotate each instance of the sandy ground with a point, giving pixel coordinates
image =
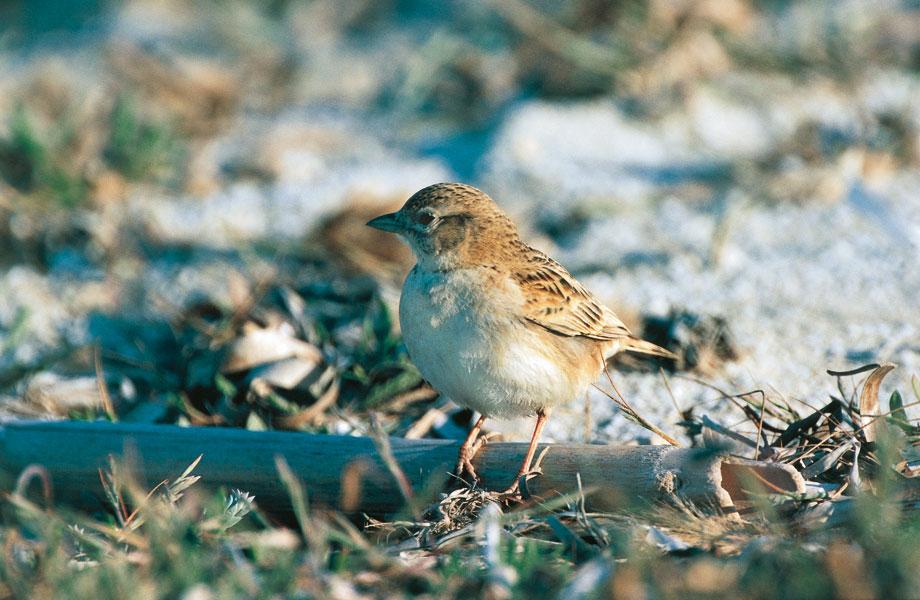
(805, 287)
(812, 263)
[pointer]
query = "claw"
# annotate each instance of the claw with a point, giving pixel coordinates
(515, 491)
(465, 464)
(468, 451)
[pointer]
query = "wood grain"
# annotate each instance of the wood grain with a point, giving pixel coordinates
(72, 453)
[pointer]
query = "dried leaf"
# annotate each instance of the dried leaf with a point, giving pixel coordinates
(716, 435)
(911, 453)
(313, 413)
(297, 308)
(60, 395)
(255, 423)
(665, 541)
(183, 482)
(868, 401)
(826, 462)
(855, 371)
(294, 488)
(263, 346)
(577, 548)
(855, 479)
(269, 539)
(288, 373)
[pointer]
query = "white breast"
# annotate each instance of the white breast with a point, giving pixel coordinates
(471, 347)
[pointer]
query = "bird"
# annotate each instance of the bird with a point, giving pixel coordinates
(490, 322)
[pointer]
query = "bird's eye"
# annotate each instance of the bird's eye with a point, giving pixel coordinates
(425, 218)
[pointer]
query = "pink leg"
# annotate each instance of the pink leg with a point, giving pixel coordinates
(468, 450)
(542, 416)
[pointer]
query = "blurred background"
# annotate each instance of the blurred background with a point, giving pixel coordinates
(183, 188)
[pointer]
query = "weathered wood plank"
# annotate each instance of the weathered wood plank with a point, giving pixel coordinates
(72, 452)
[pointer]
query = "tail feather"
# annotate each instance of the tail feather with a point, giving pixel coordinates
(634, 344)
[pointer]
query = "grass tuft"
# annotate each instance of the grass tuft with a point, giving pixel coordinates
(139, 148)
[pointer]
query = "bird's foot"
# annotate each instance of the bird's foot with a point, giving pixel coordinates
(513, 492)
(465, 469)
(468, 453)
(518, 489)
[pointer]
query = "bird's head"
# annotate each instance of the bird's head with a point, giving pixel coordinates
(449, 225)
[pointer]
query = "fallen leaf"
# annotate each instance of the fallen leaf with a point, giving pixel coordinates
(263, 346)
(288, 373)
(868, 401)
(826, 462)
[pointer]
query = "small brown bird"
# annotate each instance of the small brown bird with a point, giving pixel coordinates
(492, 323)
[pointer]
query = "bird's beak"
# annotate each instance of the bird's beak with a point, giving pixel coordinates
(389, 222)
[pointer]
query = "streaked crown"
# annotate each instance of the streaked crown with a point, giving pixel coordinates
(451, 222)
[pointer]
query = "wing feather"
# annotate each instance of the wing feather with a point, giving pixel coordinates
(554, 300)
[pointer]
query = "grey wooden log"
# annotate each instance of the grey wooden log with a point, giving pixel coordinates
(72, 453)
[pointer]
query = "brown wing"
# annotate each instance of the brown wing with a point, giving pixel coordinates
(556, 301)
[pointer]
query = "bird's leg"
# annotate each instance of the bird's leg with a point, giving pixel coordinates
(468, 450)
(542, 416)
(482, 440)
